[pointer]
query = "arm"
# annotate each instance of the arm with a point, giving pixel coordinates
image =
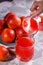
(37, 8)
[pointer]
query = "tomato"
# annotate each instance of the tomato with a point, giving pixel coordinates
(41, 23)
(20, 32)
(41, 18)
(8, 15)
(4, 53)
(1, 26)
(12, 20)
(22, 18)
(8, 35)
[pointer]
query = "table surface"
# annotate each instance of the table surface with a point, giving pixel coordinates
(21, 7)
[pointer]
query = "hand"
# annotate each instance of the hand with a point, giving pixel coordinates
(37, 8)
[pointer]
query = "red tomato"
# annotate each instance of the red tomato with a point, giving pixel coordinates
(1, 26)
(8, 35)
(40, 26)
(8, 15)
(4, 53)
(41, 18)
(12, 20)
(22, 18)
(20, 32)
(41, 23)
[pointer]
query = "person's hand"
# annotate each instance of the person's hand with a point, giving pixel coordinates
(37, 8)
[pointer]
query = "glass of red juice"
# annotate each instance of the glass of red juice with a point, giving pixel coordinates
(25, 48)
(30, 25)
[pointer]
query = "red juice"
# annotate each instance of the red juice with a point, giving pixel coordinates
(24, 49)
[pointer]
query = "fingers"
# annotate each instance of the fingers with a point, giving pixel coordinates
(34, 6)
(36, 13)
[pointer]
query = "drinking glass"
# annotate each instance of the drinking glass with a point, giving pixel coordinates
(30, 25)
(24, 49)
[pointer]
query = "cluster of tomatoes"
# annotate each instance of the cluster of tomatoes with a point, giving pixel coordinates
(11, 27)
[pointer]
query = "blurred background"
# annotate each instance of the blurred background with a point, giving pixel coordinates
(20, 7)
